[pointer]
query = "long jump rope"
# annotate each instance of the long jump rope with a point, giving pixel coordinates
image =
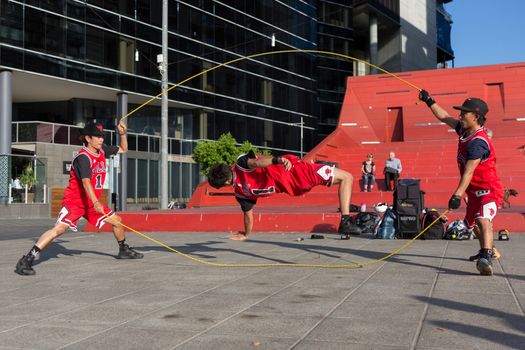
(326, 266)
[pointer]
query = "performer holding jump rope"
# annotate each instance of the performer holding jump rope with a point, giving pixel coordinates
(477, 166)
(81, 197)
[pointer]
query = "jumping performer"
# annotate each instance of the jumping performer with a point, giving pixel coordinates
(477, 166)
(256, 176)
(81, 197)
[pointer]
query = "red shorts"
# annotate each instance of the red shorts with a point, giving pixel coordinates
(480, 206)
(304, 176)
(69, 215)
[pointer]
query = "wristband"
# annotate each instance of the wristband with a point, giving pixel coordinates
(122, 134)
(276, 160)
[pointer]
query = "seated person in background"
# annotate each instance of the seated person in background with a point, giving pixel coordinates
(368, 168)
(392, 170)
(256, 176)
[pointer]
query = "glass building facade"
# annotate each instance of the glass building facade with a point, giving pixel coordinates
(113, 44)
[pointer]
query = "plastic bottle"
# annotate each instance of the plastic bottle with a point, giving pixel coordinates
(363, 207)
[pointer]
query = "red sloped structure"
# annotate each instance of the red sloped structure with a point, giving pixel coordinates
(382, 114)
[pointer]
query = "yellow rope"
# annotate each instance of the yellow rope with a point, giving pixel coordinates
(324, 266)
(266, 54)
(275, 264)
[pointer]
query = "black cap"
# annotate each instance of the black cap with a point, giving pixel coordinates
(91, 129)
(474, 105)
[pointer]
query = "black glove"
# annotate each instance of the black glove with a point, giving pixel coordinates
(454, 202)
(425, 97)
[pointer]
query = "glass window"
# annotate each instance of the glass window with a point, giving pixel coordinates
(101, 47)
(132, 142)
(27, 132)
(34, 27)
(75, 71)
(44, 64)
(154, 179)
(11, 22)
(142, 143)
(76, 10)
(132, 180)
(61, 134)
(186, 180)
(154, 143)
(175, 180)
(74, 136)
(142, 180)
(102, 18)
(55, 34)
(52, 5)
(94, 45)
(11, 57)
(75, 42)
(101, 77)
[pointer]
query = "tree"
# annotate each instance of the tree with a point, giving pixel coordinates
(224, 150)
(27, 177)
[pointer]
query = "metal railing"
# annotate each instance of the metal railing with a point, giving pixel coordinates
(45, 132)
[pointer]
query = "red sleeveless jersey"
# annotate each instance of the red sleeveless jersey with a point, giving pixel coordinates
(263, 182)
(75, 194)
(485, 177)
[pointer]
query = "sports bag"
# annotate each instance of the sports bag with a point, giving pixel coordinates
(388, 226)
(437, 230)
(367, 222)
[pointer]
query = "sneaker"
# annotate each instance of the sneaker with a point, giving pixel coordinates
(484, 266)
(126, 252)
(24, 266)
(347, 227)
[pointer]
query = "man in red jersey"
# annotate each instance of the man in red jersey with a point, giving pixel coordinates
(256, 176)
(81, 197)
(477, 166)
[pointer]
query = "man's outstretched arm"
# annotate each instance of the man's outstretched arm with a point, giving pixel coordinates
(437, 110)
(265, 161)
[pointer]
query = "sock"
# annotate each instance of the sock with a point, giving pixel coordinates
(34, 252)
(486, 253)
(121, 243)
(345, 217)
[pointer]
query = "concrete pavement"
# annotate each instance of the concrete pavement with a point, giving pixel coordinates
(427, 297)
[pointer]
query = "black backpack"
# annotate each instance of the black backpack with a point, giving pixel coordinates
(367, 222)
(437, 230)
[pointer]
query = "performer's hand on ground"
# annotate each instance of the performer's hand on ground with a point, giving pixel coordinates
(286, 163)
(239, 236)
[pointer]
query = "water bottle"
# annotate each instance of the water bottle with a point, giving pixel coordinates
(363, 207)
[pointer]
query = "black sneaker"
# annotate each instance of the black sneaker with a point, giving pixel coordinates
(495, 255)
(484, 266)
(475, 257)
(347, 227)
(126, 252)
(24, 266)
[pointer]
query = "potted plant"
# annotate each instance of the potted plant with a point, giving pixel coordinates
(28, 178)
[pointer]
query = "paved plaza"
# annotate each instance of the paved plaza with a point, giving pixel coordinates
(427, 297)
